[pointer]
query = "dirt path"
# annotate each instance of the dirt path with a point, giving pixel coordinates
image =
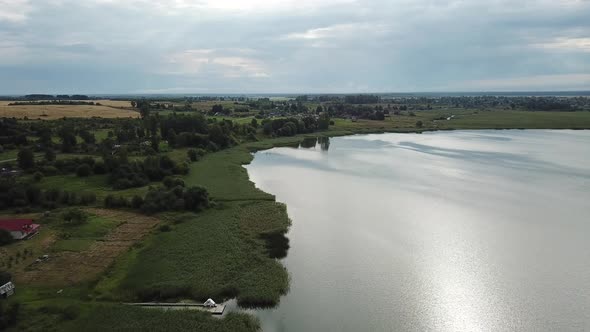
(69, 268)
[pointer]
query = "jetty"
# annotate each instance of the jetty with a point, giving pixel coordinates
(215, 310)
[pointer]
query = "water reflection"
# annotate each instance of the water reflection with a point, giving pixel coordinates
(322, 142)
(453, 231)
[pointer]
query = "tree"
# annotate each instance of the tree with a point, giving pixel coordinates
(192, 154)
(324, 121)
(144, 108)
(49, 154)
(83, 170)
(68, 139)
(379, 115)
(26, 159)
(75, 216)
(254, 123)
(38, 176)
(419, 124)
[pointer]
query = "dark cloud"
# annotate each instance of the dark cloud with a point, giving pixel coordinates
(105, 46)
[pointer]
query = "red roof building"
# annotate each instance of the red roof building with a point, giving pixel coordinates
(19, 228)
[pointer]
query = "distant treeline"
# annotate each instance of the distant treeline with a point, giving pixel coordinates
(45, 97)
(54, 102)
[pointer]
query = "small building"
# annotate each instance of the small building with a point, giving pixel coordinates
(6, 290)
(19, 228)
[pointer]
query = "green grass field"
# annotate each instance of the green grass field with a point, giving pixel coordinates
(219, 253)
(80, 238)
(97, 184)
(466, 119)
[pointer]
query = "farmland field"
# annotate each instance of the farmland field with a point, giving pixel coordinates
(52, 112)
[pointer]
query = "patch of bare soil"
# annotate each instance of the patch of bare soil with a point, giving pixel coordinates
(70, 268)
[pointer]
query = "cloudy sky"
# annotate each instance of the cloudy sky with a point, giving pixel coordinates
(295, 46)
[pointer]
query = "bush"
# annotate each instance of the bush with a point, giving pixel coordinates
(192, 155)
(38, 176)
(99, 168)
(83, 170)
(136, 202)
(176, 198)
(165, 228)
(171, 182)
(5, 237)
(75, 217)
(87, 198)
(26, 159)
(112, 201)
(419, 124)
(49, 170)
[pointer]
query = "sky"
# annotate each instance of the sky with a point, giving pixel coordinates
(293, 46)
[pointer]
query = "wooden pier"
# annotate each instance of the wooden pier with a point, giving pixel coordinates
(217, 310)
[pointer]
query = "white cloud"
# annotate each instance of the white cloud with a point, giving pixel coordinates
(565, 44)
(339, 31)
(15, 11)
(230, 63)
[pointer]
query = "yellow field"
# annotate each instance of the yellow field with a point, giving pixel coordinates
(52, 112)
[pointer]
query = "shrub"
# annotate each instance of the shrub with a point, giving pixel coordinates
(83, 170)
(87, 198)
(5, 238)
(419, 124)
(165, 228)
(99, 168)
(171, 182)
(75, 217)
(136, 202)
(192, 155)
(177, 198)
(38, 176)
(25, 159)
(49, 170)
(111, 201)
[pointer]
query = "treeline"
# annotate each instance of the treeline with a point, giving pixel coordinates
(125, 174)
(361, 99)
(12, 133)
(22, 195)
(543, 104)
(54, 102)
(377, 112)
(47, 97)
(173, 196)
(293, 126)
(196, 131)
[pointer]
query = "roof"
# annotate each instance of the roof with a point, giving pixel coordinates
(15, 225)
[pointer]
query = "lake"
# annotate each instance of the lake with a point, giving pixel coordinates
(441, 231)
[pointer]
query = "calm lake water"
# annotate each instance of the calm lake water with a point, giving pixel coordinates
(444, 231)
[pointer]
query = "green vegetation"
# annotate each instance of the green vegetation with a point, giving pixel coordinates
(227, 253)
(126, 318)
(216, 235)
(78, 231)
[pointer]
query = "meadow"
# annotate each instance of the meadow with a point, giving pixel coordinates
(107, 109)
